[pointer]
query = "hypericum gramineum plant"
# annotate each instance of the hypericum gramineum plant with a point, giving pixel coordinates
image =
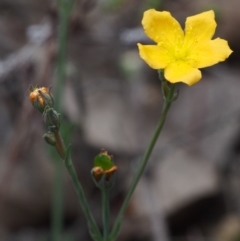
(177, 56)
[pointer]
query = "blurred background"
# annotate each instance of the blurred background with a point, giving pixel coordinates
(191, 188)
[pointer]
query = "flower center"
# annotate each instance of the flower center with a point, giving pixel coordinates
(180, 53)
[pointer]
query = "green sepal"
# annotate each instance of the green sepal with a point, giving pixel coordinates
(48, 99)
(103, 183)
(166, 87)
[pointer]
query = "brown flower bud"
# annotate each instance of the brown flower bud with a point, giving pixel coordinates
(103, 172)
(41, 97)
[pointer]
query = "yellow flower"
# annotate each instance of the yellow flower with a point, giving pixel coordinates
(182, 53)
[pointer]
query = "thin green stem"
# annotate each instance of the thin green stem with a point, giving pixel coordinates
(77, 185)
(105, 212)
(57, 205)
(167, 103)
(81, 197)
(64, 8)
(57, 202)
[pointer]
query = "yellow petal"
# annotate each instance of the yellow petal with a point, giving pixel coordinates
(210, 53)
(182, 72)
(162, 27)
(154, 56)
(199, 28)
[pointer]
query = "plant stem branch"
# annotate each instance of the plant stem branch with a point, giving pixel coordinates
(64, 9)
(77, 186)
(105, 212)
(81, 197)
(167, 103)
(57, 205)
(57, 202)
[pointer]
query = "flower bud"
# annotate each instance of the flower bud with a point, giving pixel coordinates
(41, 97)
(103, 172)
(50, 138)
(51, 118)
